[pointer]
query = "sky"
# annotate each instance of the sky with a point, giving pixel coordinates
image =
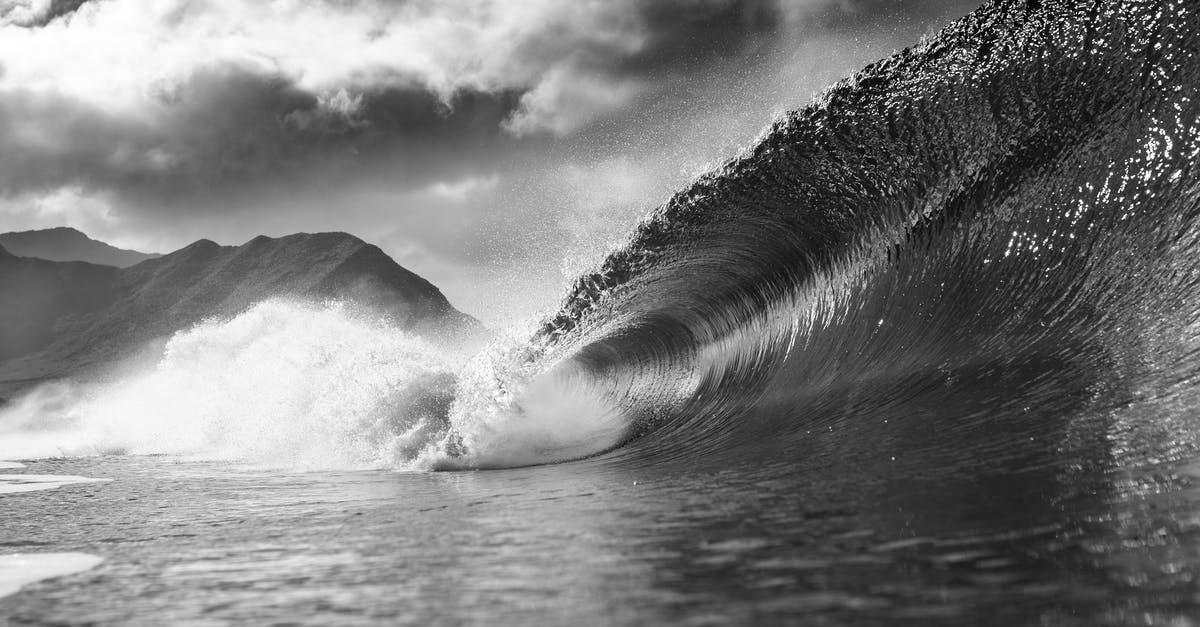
(496, 147)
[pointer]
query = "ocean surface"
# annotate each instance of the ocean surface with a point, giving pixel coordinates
(836, 537)
(927, 352)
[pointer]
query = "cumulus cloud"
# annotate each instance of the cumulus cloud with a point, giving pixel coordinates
(463, 132)
(202, 105)
(119, 55)
(22, 12)
(567, 99)
(34, 12)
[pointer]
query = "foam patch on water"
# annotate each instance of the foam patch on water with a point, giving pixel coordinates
(10, 465)
(11, 484)
(22, 569)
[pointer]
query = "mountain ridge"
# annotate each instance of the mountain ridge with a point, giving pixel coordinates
(67, 244)
(69, 318)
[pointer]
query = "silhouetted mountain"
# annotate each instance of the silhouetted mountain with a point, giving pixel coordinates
(66, 244)
(64, 318)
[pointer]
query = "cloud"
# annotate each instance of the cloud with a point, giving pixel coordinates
(465, 188)
(63, 206)
(568, 99)
(170, 100)
(317, 63)
(21, 12)
(181, 106)
(485, 134)
(116, 53)
(35, 12)
(225, 134)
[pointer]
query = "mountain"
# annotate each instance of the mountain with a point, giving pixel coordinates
(67, 244)
(66, 318)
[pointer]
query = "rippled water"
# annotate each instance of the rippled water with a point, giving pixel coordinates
(828, 539)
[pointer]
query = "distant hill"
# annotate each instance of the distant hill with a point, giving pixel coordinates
(67, 244)
(63, 318)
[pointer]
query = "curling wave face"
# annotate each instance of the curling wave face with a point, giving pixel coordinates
(986, 239)
(994, 231)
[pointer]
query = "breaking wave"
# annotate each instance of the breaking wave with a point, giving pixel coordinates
(314, 386)
(994, 232)
(991, 235)
(289, 383)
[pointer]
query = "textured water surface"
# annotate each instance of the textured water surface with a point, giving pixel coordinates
(830, 540)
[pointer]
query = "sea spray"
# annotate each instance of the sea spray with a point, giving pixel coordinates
(517, 406)
(285, 383)
(320, 386)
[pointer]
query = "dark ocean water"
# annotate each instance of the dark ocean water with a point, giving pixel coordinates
(927, 353)
(834, 539)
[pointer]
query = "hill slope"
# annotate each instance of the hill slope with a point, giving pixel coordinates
(67, 244)
(65, 318)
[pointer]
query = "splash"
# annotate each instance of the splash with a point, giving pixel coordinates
(517, 407)
(285, 383)
(317, 386)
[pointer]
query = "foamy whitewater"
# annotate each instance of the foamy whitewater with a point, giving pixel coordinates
(20, 570)
(316, 386)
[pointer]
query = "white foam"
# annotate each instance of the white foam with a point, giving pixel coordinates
(320, 387)
(10, 484)
(20, 570)
(283, 384)
(511, 410)
(10, 465)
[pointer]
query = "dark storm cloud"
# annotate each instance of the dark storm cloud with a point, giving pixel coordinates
(59, 8)
(47, 141)
(233, 128)
(684, 35)
(227, 126)
(35, 13)
(466, 133)
(226, 130)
